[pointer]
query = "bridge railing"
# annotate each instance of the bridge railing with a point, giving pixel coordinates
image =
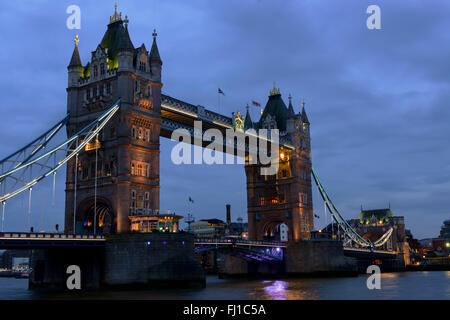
(368, 250)
(47, 236)
(240, 241)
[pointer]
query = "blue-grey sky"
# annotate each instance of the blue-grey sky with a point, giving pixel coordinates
(377, 100)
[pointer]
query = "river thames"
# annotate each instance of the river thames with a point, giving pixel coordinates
(406, 285)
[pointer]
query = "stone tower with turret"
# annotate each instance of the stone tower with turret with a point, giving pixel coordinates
(284, 198)
(126, 171)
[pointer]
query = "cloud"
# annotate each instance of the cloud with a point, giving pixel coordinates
(377, 100)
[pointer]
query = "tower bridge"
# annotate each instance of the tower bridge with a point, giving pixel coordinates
(116, 116)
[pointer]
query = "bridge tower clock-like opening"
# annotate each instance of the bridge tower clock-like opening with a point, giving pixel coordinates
(123, 164)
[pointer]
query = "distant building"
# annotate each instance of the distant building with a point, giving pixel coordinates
(239, 229)
(414, 244)
(445, 230)
(155, 222)
(208, 228)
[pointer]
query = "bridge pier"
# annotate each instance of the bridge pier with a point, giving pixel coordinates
(318, 257)
(151, 259)
(49, 267)
(133, 260)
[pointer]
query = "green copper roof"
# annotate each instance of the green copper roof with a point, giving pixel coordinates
(276, 108)
(379, 214)
(116, 38)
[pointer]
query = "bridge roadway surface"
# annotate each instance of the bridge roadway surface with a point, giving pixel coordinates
(22, 240)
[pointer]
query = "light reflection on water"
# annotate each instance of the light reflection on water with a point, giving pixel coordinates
(406, 285)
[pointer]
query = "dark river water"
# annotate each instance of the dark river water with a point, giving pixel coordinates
(406, 285)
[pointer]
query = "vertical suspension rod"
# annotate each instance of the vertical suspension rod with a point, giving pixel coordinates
(95, 186)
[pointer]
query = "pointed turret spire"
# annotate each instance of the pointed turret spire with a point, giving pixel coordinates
(291, 112)
(248, 123)
(154, 52)
(125, 41)
(76, 60)
(304, 116)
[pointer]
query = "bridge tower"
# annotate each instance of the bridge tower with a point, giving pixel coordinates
(118, 175)
(287, 196)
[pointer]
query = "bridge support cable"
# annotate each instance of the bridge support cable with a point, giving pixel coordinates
(85, 136)
(95, 188)
(29, 209)
(75, 193)
(33, 147)
(343, 224)
(41, 222)
(3, 215)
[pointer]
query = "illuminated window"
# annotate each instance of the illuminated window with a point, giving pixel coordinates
(262, 201)
(141, 134)
(140, 169)
(305, 127)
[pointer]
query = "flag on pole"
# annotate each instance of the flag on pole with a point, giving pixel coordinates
(256, 104)
(220, 91)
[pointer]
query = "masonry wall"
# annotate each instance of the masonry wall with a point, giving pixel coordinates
(143, 259)
(319, 257)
